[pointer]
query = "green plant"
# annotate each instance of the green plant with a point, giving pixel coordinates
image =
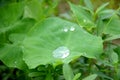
(51, 48)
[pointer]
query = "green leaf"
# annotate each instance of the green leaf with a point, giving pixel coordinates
(10, 13)
(39, 9)
(11, 55)
(117, 51)
(100, 27)
(112, 27)
(82, 16)
(102, 7)
(118, 73)
(34, 74)
(89, 4)
(58, 41)
(105, 14)
(76, 77)
(16, 38)
(34, 9)
(104, 76)
(21, 26)
(91, 77)
(112, 37)
(67, 72)
(114, 57)
(49, 76)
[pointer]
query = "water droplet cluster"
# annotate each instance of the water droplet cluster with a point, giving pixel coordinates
(69, 29)
(61, 52)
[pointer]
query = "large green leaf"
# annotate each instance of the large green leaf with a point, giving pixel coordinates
(10, 13)
(83, 17)
(55, 40)
(11, 55)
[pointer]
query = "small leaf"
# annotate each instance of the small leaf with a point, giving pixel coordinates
(91, 77)
(77, 76)
(33, 9)
(67, 72)
(105, 14)
(114, 57)
(112, 37)
(34, 74)
(112, 27)
(89, 4)
(82, 16)
(49, 76)
(103, 75)
(102, 7)
(100, 27)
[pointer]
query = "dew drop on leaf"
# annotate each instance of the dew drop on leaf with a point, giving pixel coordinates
(61, 52)
(84, 20)
(65, 30)
(72, 29)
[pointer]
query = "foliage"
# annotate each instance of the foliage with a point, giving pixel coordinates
(35, 43)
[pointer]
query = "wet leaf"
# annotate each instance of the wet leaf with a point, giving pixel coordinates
(56, 36)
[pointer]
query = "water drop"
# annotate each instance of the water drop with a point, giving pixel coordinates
(72, 29)
(61, 52)
(65, 30)
(84, 20)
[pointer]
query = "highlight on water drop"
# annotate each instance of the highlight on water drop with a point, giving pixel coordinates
(61, 52)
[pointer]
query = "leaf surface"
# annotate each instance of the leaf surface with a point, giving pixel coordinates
(11, 55)
(55, 40)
